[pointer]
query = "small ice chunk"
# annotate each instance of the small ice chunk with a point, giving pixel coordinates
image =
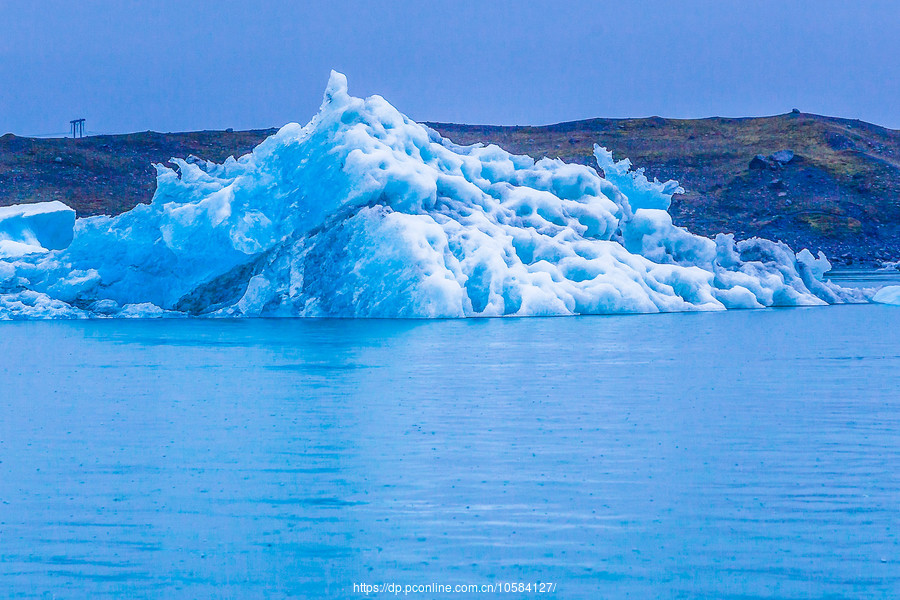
(888, 295)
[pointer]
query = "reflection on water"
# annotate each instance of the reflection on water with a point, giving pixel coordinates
(740, 455)
(849, 277)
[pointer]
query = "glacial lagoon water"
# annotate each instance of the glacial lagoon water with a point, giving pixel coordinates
(748, 454)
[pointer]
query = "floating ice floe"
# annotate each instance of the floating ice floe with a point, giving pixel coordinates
(365, 213)
(888, 295)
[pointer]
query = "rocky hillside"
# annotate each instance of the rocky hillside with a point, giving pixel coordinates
(835, 188)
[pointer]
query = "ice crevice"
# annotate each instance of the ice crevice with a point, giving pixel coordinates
(365, 213)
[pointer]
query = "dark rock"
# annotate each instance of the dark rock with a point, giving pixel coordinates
(782, 157)
(221, 290)
(761, 162)
(839, 142)
(795, 111)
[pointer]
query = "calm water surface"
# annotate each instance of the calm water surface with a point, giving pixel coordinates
(753, 454)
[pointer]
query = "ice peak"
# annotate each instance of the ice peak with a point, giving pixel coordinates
(336, 88)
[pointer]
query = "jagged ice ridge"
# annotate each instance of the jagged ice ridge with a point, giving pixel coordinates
(365, 213)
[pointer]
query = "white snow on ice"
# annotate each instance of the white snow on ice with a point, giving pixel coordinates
(365, 213)
(35, 228)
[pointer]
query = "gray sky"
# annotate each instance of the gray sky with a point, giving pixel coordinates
(174, 66)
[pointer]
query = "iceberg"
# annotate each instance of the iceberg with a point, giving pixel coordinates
(365, 213)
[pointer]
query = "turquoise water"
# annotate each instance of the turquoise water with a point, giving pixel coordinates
(752, 454)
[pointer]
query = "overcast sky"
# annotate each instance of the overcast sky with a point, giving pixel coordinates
(175, 66)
